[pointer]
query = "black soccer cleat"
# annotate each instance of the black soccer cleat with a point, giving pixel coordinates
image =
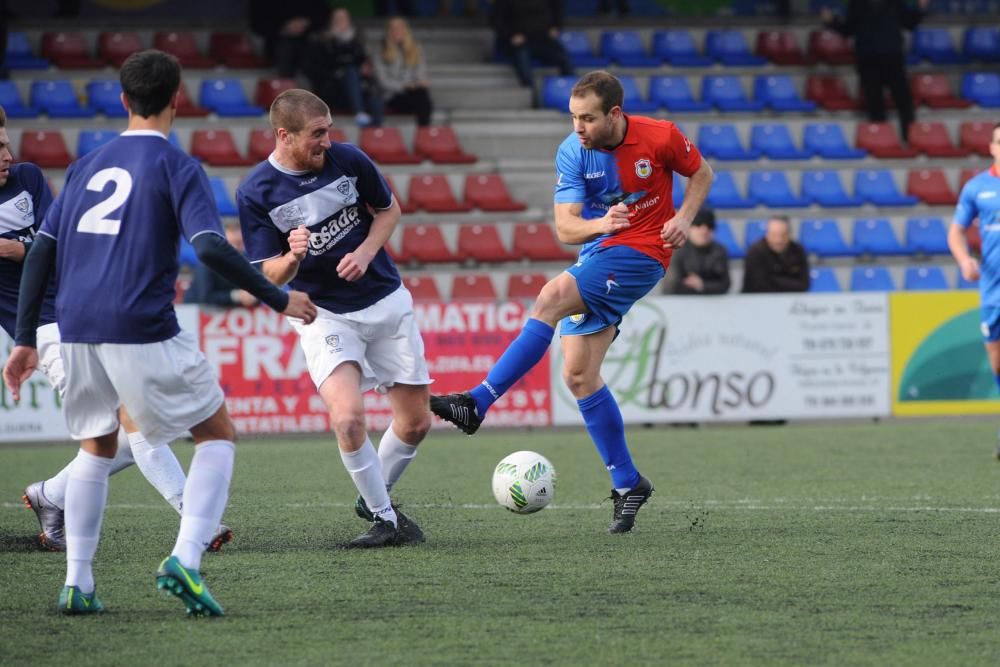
(381, 534)
(458, 409)
(627, 506)
(407, 532)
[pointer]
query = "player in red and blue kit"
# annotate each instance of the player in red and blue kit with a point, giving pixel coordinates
(613, 195)
(980, 198)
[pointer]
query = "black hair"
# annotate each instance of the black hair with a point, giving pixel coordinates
(150, 79)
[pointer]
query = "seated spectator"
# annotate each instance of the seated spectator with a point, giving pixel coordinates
(340, 70)
(401, 72)
(776, 263)
(529, 29)
(285, 27)
(700, 266)
(209, 288)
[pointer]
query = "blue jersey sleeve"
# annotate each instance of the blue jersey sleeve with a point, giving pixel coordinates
(370, 184)
(570, 184)
(966, 210)
(41, 195)
(193, 201)
(261, 238)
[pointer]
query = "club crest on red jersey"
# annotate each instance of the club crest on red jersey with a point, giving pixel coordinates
(643, 168)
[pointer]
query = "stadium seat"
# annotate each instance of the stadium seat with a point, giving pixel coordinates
(625, 48)
(488, 192)
(432, 193)
(184, 47)
(635, 101)
(268, 88)
(780, 47)
(724, 236)
(537, 242)
(186, 108)
(830, 92)
(235, 50)
(730, 48)
(89, 140)
(223, 201)
(931, 187)
(674, 94)
(725, 194)
(827, 141)
(525, 286)
(875, 236)
(555, 91)
(440, 145)
(871, 279)
(753, 231)
(935, 45)
(423, 288)
(473, 287)
(58, 99)
(721, 140)
(829, 47)
(337, 135)
(105, 97)
(217, 148)
(775, 141)
(881, 140)
(982, 43)
(386, 145)
(926, 236)
(877, 186)
(962, 283)
(779, 93)
(425, 244)
(678, 49)
(581, 51)
(226, 98)
(114, 47)
(405, 206)
(982, 88)
(823, 187)
(823, 279)
(69, 50)
(261, 143)
(481, 243)
(823, 238)
(19, 54)
(924, 278)
(13, 104)
(46, 148)
(771, 188)
(975, 136)
(677, 191)
(932, 139)
(934, 91)
(726, 94)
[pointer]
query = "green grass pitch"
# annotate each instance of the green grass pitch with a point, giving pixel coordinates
(809, 544)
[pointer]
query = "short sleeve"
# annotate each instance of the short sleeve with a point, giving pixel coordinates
(570, 185)
(966, 210)
(370, 184)
(194, 201)
(261, 238)
(680, 154)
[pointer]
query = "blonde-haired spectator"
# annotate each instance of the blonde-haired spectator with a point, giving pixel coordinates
(401, 72)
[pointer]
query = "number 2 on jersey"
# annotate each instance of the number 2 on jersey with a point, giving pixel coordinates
(94, 220)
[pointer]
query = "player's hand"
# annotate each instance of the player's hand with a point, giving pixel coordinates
(353, 265)
(970, 269)
(694, 281)
(21, 363)
(300, 306)
(675, 232)
(298, 242)
(615, 220)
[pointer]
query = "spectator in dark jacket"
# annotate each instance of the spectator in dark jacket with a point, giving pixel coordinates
(530, 29)
(285, 27)
(700, 266)
(776, 263)
(208, 287)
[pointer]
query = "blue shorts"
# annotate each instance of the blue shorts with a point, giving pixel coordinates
(990, 324)
(610, 280)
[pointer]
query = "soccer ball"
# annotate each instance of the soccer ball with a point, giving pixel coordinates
(524, 482)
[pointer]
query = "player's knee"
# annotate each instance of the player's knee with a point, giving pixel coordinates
(413, 430)
(578, 381)
(349, 427)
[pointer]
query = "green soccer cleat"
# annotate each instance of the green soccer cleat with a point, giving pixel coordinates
(188, 586)
(74, 602)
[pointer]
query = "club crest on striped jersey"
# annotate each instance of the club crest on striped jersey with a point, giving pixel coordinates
(643, 168)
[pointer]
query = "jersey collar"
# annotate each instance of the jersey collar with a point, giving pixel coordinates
(144, 133)
(994, 171)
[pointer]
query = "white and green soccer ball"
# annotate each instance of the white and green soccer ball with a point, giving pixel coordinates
(524, 482)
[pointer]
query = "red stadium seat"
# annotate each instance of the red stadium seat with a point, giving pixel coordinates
(931, 139)
(525, 285)
(975, 136)
(386, 145)
(425, 244)
(185, 106)
(780, 47)
(261, 143)
(114, 47)
(931, 186)
(184, 47)
(217, 148)
(337, 135)
(473, 287)
(46, 148)
(440, 145)
(881, 140)
(965, 175)
(830, 92)
(481, 243)
(432, 193)
(234, 49)
(934, 90)
(268, 89)
(405, 206)
(489, 193)
(69, 50)
(423, 288)
(830, 47)
(538, 242)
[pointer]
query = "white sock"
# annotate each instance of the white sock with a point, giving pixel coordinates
(86, 496)
(366, 471)
(54, 488)
(205, 494)
(395, 455)
(160, 467)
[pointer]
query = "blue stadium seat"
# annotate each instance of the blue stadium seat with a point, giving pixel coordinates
(677, 193)
(729, 47)
(19, 54)
(625, 48)
(876, 186)
(753, 231)
(677, 47)
(634, 99)
(926, 236)
(771, 188)
(674, 94)
(555, 91)
(823, 279)
(226, 98)
(779, 93)
(105, 97)
(874, 236)
(924, 278)
(823, 187)
(88, 140)
(724, 235)
(871, 279)
(725, 194)
(58, 99)
(775, 141)
(13, 104)
(823, 238)
(935, 45)
(721, 140)
(223, 201)
(982, 43)
(983, 88)
(962, 283)
(580, 50)
(726, 94)
(827, 140)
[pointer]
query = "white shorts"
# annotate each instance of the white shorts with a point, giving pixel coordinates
(49, 360)
(166, 387)
(382, 339)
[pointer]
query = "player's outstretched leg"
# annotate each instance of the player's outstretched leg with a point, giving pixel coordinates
(458, 409)
(73, 602)
(188, 586)
(627, 505)
(51, 519)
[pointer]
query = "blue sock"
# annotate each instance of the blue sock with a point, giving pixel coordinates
(997, 378)
(607, 430)
(520, 356)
